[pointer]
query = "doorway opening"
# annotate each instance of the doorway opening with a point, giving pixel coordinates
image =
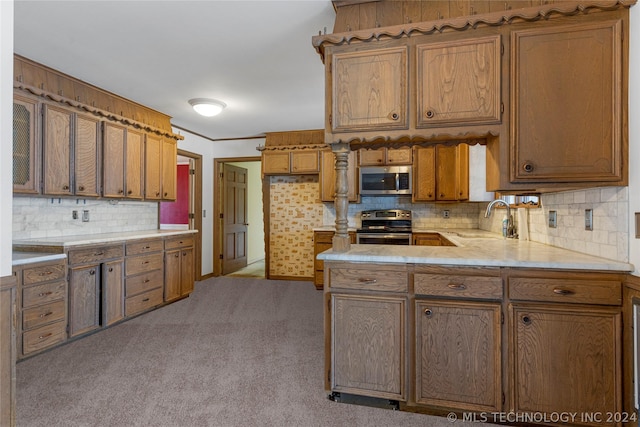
(238, 232)
(186, 212)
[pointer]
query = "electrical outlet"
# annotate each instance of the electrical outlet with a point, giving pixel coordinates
(446, 213)
(553, 219)
(588, 219)
(85, 216)
(74, 214)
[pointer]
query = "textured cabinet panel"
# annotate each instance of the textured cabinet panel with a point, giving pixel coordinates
(169, 171)
(134, 164)
(57, 127)
(113, 160)
(153, 167)
(86, 157)
(26, 146)
(142, 302)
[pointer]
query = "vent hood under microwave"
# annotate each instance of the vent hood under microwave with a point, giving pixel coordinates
(385, 180)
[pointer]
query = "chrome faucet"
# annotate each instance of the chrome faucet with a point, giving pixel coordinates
(511, 230)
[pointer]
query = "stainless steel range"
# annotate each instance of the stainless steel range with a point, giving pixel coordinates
(385, 227)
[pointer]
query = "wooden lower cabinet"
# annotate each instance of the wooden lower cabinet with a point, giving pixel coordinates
(566, 358)
(368, 338)
(113, 292)
(144, 276)
(179, 268)
(430, 239)
(457, 359)
(8, 350)
(323, 241)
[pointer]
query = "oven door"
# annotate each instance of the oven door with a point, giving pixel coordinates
(383, 238)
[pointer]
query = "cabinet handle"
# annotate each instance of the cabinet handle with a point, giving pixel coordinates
(98, 254)
(46, 314)
(81, 188)
(526, 320)
(166, 194)
(365, 280)
(394, 116)
(46, 273)
(145, 300)
(120, 191)
(559, 291)
(92, 272)
(45, 336)
(145, 262)
(457, 286)
(44, 294)
(429, 114)
(146, 280)
(110, 269)
(428, 312)
(147, 247)
(177, 255)
(527, 167)
(65, 187)
(130, 192)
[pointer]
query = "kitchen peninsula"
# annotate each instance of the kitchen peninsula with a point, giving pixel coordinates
(490, 324)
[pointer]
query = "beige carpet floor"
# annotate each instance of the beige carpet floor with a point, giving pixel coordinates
(238, 352)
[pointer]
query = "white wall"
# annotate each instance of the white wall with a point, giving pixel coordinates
(209, 151)
(6, 139)
(634, 135)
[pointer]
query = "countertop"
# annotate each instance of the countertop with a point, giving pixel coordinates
(88, 239)
(479, 248)
(23, 258)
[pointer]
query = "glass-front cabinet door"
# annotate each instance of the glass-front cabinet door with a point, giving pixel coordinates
(26, 176)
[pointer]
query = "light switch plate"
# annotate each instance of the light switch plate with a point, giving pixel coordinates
(588, 219)
(553, 219)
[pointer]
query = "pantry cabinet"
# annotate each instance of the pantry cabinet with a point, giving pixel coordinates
(26, 145)
(441, 173)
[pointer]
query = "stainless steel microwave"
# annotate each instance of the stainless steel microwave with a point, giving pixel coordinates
(385, 180)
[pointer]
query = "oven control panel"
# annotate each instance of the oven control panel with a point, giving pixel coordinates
(390, 214)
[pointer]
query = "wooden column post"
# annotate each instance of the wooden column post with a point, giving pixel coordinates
(341, 241)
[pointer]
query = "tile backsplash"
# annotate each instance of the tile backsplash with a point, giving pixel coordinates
(37, 217)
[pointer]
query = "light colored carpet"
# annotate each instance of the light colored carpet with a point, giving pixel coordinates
(238, 352)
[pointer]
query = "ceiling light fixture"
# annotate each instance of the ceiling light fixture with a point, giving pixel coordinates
(207, 107)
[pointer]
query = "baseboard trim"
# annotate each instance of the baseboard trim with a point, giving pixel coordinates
(295, 278)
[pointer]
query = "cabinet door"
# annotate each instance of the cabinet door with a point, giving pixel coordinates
(186, 271)
(367, 345)
(328, 176)
(566, 100)
(305, 162)
(458, 362)
(275, 162)
(424, 177)
(459, 82)
(113, 160)
(370, 157)
(134, 164)
(86, 159)
(57, 127)
(172, 275)
(169, 169)
(153, 167)
(113, 292)
(566, 358)
(84, 299)
(452, 169)
(399, 156)
(369, 90)
(26, 146)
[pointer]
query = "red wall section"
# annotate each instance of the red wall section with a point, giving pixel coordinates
(177, 212)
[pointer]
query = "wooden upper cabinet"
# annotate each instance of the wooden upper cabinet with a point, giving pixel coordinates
(386, 156)
(26, 145)
(86, 157)
(153, 167)
(297, 162)
(113, 160)
(305, 161)
(328, 177)
(370, 90)
(566, 100)
(275, 162)
(58, 136)
(441, 173)
(169, 169)
(134, 163)
(458, 82)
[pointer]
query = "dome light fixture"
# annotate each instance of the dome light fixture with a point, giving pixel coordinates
(207, 107)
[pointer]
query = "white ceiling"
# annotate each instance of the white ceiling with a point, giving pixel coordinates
(254, 55)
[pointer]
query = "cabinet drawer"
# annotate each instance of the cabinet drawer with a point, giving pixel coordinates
(605, 292)
(36, 316)
(139, 303)
(444, 285)
(43, 273)
(41, 294)
(144, 282)
(140, 264)
(138, 248)
(95, 254)
(369, 277)
(178, 242)
(43, 337)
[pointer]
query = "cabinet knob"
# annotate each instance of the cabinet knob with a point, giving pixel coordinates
(429, 114)
(428, 312)
(527, 167)
(65, 187)
(130, 192)
(157, 193)
(394, 116)
(81, 188)
(526, 320)
(120, 191)
(92, 272)
(110, 269)
(166, 194)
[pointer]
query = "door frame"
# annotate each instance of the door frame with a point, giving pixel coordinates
(196, 195)
(218, 207)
